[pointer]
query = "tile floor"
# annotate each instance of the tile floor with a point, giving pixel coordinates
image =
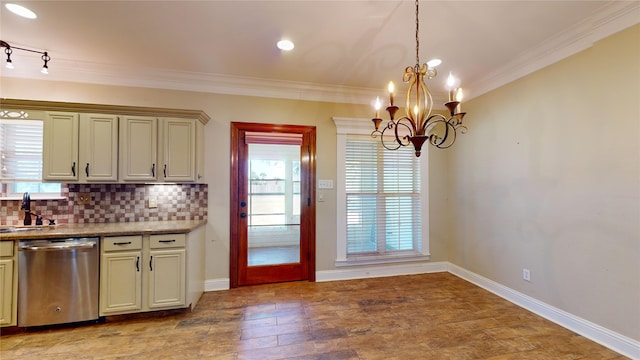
(430, 316)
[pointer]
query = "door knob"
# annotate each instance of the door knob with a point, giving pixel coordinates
(243, 204)
(243, 215)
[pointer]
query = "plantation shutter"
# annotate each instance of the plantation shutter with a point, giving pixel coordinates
(383, 198)
(20, 150)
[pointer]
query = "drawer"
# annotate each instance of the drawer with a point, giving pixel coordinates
(167, 241)
(6, 248)
(118, 243)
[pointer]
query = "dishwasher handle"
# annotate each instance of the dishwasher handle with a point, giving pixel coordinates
(57, 246)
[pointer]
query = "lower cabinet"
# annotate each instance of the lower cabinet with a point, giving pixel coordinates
(140, 274)
(8, 284)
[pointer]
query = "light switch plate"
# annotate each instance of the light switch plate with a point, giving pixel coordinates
(325, 184)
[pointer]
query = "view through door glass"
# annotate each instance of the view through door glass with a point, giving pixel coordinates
(273, 204)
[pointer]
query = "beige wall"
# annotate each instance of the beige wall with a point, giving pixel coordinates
(536, 182)
(548, 179)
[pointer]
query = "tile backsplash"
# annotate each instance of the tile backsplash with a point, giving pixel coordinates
(110, 203)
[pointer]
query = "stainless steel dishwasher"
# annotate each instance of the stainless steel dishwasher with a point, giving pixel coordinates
(58, 281)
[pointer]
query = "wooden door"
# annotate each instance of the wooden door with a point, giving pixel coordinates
(284, 212)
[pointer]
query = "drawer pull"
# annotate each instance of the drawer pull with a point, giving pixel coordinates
(166, 241)
(122, 243)
(138, 263)
(151, 264)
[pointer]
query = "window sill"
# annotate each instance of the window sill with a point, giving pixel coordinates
(374, 260)
(34, 197)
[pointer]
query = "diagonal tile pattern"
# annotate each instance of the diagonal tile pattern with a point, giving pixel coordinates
(429, 316)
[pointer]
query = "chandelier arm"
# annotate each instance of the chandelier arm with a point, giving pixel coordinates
(406, 139)
(377, 133)
(451, 126)
(444, 144)
(431, 120)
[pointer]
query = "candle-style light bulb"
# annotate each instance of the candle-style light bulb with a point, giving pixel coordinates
(377, 106)
(459, 97)
(451, 83)
(391, 88)
(416, 110)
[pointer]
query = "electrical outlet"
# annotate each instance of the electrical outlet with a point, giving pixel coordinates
(526, 275)
(84, 198)
(153, 202)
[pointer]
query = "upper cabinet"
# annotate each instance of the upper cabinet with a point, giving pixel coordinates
(98, 154)
(138, 149)
(86, 143)
(80, 147)
(178, 150)
(157, 149)
(60, 147)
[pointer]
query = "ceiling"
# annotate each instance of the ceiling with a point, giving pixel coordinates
(346, 51)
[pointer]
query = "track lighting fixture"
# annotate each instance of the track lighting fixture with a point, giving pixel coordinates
(8, 50)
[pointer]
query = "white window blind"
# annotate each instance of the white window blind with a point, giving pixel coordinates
(20, 150)
(21, 159)
(383, 199)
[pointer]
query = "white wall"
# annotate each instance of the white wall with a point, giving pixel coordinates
(548, 178)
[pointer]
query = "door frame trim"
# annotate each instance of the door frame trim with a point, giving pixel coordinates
(307, 157)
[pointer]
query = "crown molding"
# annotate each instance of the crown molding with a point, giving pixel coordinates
(611, 18)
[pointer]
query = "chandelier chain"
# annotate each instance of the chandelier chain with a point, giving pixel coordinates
(417, 36)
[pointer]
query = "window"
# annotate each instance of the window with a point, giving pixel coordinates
(382, 206)
(21, 159)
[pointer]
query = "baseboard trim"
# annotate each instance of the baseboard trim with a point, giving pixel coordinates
(217, 284)
(603, 336)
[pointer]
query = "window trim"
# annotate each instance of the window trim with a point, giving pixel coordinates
(359, 126)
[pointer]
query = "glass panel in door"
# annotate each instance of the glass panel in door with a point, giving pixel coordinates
(273, 204)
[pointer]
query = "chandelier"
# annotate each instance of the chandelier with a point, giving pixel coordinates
(8, 50)
(419, 125)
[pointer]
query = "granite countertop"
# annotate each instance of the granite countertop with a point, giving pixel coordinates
(105, 229)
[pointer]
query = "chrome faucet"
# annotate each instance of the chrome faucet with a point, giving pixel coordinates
(26, 206)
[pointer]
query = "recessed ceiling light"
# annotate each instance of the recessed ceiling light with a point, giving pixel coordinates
(285, 45)
(434, 62)
(21, 10)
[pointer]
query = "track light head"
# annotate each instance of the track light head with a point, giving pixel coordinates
(45, 67)
(8, 49)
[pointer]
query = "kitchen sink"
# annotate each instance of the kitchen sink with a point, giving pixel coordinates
(4, 230)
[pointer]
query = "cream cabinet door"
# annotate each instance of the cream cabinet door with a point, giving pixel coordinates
(138, 148)
(167, 278)
(178, 149)
(6, 298)
(60, 147)
(120, 282)
(200, 152)
(98, 142)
